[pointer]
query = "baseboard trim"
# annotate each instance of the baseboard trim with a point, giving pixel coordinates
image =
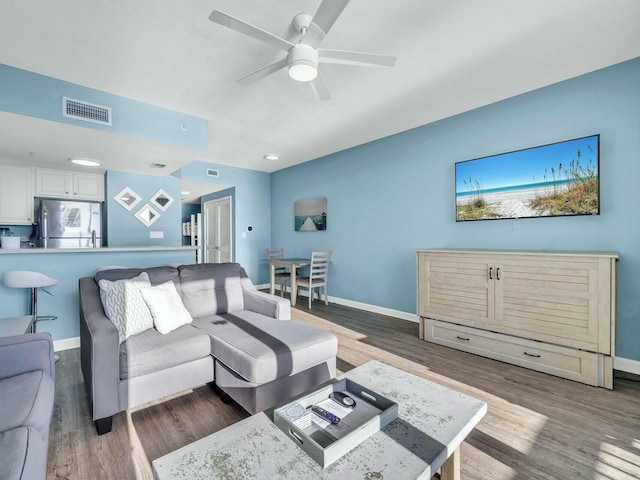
(66, 344)
(412, 317)
(626, 365)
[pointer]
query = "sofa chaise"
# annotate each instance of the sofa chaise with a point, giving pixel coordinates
(241, 340)
(27, 387)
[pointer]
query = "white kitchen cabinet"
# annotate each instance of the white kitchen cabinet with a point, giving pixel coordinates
(88, 186)
(64, 184)
(53, 183)
(549, 311)
(16, 195)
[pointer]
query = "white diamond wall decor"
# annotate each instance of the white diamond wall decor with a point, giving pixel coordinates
(162, 200)
(127, 198)
(147, 215)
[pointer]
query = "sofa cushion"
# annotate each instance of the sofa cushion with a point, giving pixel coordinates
(208, 289)
(157, 275)
(27, 400)
(23, 455)
(166, 307)
(150, 351)
(124, 306)
(262, 349)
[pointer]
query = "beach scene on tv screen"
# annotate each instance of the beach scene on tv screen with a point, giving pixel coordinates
(551, 180)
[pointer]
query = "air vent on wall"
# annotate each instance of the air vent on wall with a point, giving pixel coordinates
(212, 173)
(88, 112)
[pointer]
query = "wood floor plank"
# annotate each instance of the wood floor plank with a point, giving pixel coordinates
(537, 426)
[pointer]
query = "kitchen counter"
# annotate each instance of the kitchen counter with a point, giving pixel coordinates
(93, 250)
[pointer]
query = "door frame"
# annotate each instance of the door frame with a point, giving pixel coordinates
(205, 233)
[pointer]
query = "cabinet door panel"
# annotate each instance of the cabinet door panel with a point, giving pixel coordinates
(550, 302)
(16, 195)
(88, 186)
(53, 183)
(456, 288)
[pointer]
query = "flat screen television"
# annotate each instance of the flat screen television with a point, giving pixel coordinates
(558, 179)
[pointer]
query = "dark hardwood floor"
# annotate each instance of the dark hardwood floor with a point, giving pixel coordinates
(537, 426)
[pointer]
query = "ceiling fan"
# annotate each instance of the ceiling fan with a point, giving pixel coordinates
(303, 57)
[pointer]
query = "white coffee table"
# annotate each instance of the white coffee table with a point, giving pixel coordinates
(432, 423)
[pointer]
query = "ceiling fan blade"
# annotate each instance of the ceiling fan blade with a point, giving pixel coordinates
(250, 30)
(320, 88)
(263, 72)
(328, 12)
(355, 58)
(326, 15)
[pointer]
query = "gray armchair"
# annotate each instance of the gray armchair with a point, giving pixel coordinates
(27, 375)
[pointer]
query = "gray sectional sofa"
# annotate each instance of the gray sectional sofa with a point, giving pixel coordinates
(241, 339)
(27, 387)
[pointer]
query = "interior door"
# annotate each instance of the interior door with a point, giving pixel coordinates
(217, 231)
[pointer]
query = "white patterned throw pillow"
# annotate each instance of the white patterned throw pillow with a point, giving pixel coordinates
(124, 305)
(166, 307)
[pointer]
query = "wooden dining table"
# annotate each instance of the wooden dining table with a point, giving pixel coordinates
(292, 264)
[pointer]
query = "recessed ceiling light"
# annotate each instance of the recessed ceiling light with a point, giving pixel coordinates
(272, 156)
(86, 162)
(185, 193)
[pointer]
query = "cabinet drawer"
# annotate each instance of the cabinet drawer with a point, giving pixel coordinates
(578, 365)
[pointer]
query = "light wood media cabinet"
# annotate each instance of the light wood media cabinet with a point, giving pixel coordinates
(549, 311)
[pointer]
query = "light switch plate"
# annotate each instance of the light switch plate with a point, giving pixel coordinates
(156, 234)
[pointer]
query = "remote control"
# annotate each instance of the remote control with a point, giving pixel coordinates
(328, 416)
(343, 399)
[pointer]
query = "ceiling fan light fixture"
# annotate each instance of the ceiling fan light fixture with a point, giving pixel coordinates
(303, 63)
(303, 71)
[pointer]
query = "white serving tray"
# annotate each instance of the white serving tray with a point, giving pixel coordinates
(327, 444)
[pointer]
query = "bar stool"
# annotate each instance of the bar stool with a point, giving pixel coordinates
(33, 281)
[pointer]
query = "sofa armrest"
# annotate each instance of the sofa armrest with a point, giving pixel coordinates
(264, 303)
(26, 353)
(99, 352)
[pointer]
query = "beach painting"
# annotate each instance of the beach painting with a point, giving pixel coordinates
(551, 180)
(311, 215)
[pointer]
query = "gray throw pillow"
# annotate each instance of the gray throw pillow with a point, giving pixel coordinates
(124, 305)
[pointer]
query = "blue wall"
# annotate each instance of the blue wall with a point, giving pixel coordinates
(33, 95)
(251, 207)
(391, 197)
(124, 229)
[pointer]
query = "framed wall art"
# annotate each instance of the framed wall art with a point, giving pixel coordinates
(559, 179)
(311, 215)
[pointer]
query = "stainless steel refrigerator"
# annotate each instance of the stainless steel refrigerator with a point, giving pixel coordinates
(70, 224)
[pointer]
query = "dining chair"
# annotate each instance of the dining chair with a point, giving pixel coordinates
(282, 275)
(318, 273)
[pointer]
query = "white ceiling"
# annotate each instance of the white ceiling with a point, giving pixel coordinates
(453, 56)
